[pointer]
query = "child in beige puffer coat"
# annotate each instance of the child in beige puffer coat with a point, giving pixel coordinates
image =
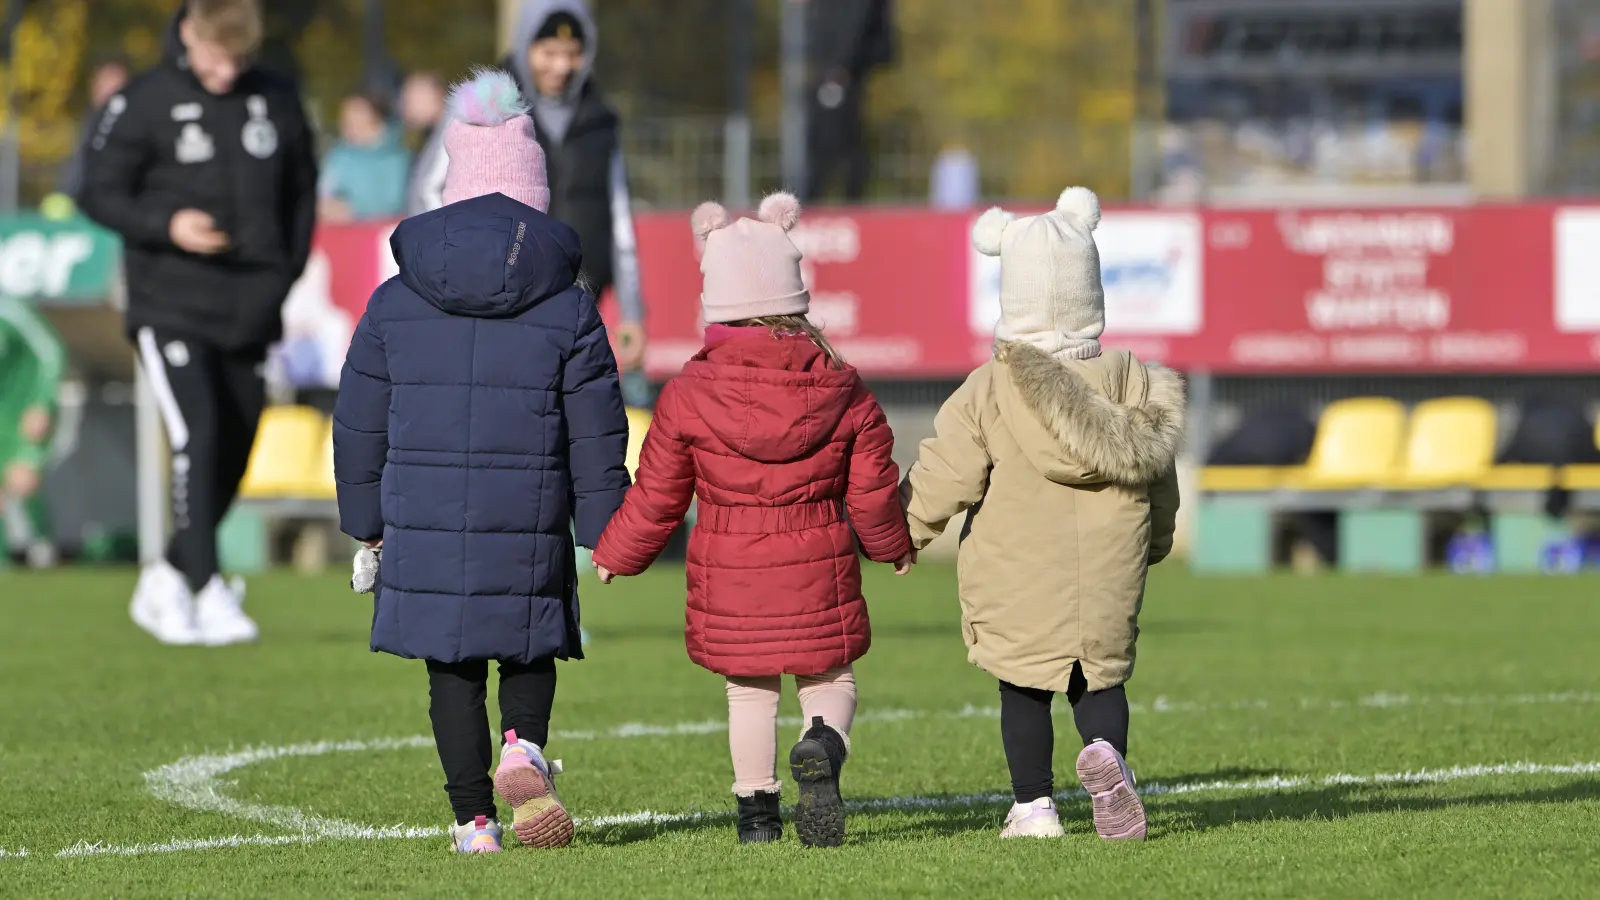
(1063, 453)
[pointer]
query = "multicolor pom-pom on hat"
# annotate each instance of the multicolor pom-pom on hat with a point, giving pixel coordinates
(491, 143)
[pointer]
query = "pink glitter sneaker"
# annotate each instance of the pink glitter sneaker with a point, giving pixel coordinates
(524, 780)
(1118, 812)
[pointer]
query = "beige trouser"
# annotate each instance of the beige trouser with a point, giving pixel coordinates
(753, 721)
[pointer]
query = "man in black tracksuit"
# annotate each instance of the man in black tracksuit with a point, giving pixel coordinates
(206, 168)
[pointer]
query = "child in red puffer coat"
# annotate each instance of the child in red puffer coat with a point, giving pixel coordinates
(790, 457)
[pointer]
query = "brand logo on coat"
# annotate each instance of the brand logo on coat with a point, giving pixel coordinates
(260, 136)
(187, 112)
(516, 248)
(194, 145)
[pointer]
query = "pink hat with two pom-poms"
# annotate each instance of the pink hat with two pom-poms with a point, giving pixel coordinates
(751, 267)
(491, 143)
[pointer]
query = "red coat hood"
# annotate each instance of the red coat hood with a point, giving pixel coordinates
(771, 399)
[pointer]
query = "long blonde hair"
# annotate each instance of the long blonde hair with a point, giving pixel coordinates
(790, 326)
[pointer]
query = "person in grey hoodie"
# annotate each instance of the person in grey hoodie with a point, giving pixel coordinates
(552, 55)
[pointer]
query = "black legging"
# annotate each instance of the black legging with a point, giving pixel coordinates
(1029, 735)
(458, 692)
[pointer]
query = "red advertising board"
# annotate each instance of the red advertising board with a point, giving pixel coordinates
(1497, 288)
(1463, 289)
(887, 286)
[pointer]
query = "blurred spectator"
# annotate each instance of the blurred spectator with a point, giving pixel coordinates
(552, 55)
(106, 81)
(953, 183)
(847, 40)
(422, 106)
(364, 175)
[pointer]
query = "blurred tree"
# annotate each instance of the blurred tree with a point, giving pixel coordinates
(47, 53)
(1041, 90)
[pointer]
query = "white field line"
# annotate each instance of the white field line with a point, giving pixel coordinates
(1276, 784)
(13, 854)
(194, 781)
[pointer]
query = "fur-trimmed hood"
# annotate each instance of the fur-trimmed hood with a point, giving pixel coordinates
(1066, 418)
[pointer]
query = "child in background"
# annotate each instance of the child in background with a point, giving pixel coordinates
(480, 417)
(1062, 454)
(32, 361)
(364, 175)
(790, 457)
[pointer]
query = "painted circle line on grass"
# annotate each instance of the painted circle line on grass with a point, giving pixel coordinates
(193, 783)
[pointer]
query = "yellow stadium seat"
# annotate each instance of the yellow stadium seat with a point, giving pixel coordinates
(1580, 478)
(280, 461)
(638, 425)
(1357, 445)
(1226, 479)
(319, 483)
(1518, 477)
(1450, 444)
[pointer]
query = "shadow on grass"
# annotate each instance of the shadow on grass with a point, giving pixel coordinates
(947, 815)
(1342, 802)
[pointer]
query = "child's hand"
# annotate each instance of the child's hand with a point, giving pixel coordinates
(605, 574)
(904, 563)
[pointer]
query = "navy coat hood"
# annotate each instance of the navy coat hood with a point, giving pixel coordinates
(488, 257)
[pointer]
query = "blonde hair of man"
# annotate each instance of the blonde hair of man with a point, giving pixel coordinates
(233, 24)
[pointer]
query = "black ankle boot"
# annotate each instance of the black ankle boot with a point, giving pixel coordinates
(759, 820)
(815, 763)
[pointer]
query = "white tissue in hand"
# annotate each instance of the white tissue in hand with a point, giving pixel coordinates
(364, 576)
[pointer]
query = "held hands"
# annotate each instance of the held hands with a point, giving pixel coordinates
(196, 232)
(605, 574)
(904, 563)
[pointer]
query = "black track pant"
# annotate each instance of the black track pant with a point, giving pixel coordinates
(210, 401)
(458, 692)
(1029, 734)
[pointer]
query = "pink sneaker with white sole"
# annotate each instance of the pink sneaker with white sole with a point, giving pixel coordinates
(524, 780)
(1118, 812)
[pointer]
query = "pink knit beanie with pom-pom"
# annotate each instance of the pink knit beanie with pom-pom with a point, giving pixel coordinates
(751, 267)
(491, 144)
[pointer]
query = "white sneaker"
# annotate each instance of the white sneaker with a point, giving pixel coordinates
(163, 606)
(1038, 819)
(220, 614)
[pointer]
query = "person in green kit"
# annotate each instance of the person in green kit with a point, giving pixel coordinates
(32, 361)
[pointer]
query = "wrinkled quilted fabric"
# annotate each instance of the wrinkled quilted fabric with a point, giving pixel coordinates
(479, 419)
(791, 463)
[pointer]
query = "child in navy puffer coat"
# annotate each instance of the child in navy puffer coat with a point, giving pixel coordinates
(479, 430)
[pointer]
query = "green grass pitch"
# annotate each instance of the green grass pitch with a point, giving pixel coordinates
(1329, 736)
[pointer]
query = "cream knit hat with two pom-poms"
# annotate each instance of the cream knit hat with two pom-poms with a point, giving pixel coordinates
(1050, 290)
(751, 268)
